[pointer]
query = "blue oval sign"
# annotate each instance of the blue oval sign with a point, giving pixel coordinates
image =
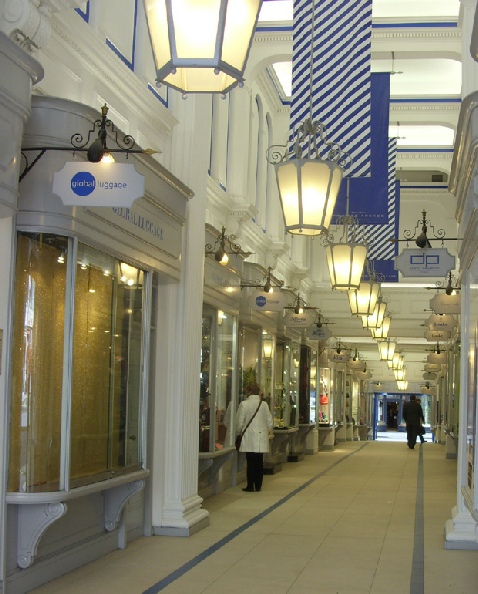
(83, 183)
(261, 301)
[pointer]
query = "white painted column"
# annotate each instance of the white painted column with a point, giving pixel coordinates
(469, 66)
(19, 71)
(461, 530)
(176, 506)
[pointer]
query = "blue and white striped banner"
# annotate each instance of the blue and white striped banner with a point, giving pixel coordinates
(381, 250)
(337, 91)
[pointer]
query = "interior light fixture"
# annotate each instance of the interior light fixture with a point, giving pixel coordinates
(375, 320)
(223, 246)
(201, 46)
(267, 344)
(362, 300)
(268, 286)
(346, 258)
(386, 349)
(309, 169)
(382, 331)
(402, 384)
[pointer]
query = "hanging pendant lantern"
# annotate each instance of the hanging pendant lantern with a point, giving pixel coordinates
(201, 46)
(402, 384)
(383, 330)
(362, 300)
(345, 262)
(346, 258)
(308, 184)
(386, 349)
(376, 319)
(399, 374)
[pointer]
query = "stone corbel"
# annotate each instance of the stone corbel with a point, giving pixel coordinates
(116, 499)
(33, 520)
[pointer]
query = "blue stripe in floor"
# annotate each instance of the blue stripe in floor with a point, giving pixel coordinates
(417, 577)
(172, 577)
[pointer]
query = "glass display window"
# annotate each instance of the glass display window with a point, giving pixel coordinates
(267, 367)
(339, 395)
(77, 309)
(304, 385)
(325, 408)
(294, 384)
(217, 380)
(313, 403)
(281, 404)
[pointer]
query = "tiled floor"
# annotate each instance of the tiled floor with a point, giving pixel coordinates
(339, 522)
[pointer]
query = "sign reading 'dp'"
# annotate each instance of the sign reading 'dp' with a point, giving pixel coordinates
(98, 184)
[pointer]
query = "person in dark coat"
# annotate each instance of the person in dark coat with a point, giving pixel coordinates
(413, 417)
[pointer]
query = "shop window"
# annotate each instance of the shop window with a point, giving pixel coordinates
(74, 428)
(217, 378)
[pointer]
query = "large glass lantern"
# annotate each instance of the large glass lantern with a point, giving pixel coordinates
(386, 349)
(383, 330)
(308, 190)
(362, 300)
(376, 319)
(201, 46)
(345, 262)
(309, 173)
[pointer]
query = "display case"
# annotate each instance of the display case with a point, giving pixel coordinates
(217, 378)
(325, 410)
(281, 408)
(314, 380)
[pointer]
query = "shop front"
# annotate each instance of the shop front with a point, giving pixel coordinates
(82, 354)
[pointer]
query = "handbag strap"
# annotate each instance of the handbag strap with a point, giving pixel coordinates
(251, 419)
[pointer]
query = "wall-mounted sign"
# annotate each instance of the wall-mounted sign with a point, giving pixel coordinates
(341, 357)
(315, 333)
(446, 304)
(98, 184)
(262, 301)
(432, 367)
(437, 335)
(444, 322)
(439, 358)
(425, 262)
(303, 320)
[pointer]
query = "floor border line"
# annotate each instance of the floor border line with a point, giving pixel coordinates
(180, 571)
(417, 576)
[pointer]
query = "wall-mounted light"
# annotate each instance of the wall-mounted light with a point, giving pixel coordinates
(267, 284)
(223, 246)
(97, 151)
(201, 46)
(267, 346)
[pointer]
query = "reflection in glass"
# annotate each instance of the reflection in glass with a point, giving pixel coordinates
(106, 379)
(102, 399)
(37, 366)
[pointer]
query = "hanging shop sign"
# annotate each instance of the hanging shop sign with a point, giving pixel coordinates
(432, 367)
(439, 358)
(446, 304)
(98, 184)
(303, 320)
(262, 301)
(425, 262)
(429, 376)
(439, 335)
(316, 333)
(445, 322)
(341, 357)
